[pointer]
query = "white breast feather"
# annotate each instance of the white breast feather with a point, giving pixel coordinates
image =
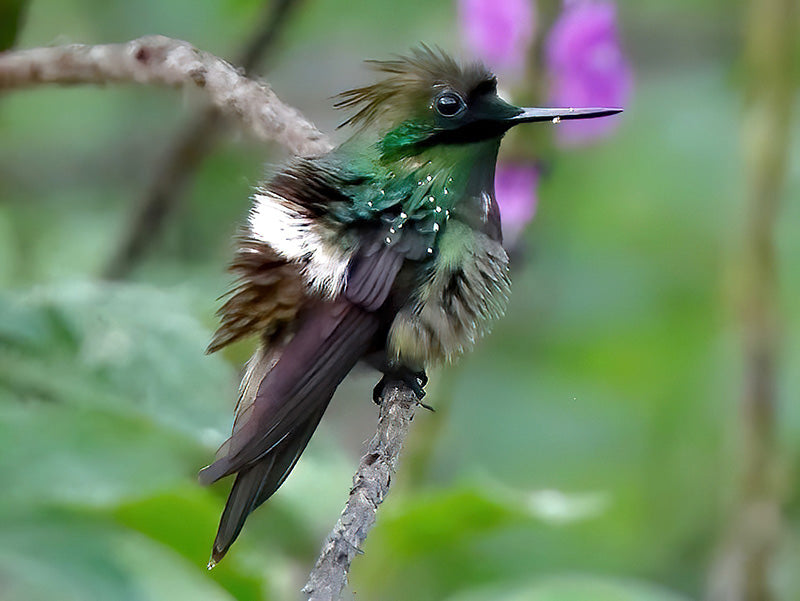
(291, 232)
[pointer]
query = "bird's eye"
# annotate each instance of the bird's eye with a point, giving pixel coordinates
(449, 104)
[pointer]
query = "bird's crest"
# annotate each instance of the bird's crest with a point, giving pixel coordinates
(409, 83)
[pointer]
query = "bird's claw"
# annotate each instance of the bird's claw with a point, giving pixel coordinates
(415, 380)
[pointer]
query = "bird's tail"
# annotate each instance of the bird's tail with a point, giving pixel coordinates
(256, 484)
(282, 400)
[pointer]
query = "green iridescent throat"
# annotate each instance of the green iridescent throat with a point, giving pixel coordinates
(401, 179)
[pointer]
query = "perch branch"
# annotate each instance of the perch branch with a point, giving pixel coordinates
(158, 60)
(182, 158)
(370, 487)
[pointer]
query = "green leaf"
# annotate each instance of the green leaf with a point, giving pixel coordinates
(72, 557)
(433, 536)
(184, 521)
(108, 407)
(436, 521)
(125, 348)
(58, 453)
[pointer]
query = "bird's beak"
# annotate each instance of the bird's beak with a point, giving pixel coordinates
(530, 115)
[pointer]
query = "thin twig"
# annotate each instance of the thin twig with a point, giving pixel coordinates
(370, 486)
(257, 49)
(184, 155)
(159, 60)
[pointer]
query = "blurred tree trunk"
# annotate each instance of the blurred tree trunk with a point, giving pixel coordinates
(742, 570)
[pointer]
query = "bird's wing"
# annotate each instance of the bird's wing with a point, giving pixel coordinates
(286, 390)
(330, 340)
(370, 276)
(284, 383)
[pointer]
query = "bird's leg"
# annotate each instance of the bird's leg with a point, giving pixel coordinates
(415, 380)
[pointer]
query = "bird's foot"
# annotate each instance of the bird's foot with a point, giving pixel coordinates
(415, 380)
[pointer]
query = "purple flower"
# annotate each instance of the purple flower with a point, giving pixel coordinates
(587, 67)
(515, 189)
(499, 32)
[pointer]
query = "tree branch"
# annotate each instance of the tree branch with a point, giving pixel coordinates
(190, 146)
(370, 486)
(158, 60)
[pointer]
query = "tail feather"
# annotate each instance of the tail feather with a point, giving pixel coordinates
(241, 501)
(256, 484)
(281, 404)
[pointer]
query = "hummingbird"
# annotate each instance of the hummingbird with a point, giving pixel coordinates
(387, 250)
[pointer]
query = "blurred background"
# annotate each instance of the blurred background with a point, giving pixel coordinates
(631, 429)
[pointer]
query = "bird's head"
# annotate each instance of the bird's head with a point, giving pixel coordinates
(427, 99)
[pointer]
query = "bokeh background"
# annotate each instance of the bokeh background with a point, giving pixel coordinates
(630, 431)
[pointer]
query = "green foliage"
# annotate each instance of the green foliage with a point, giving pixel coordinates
(11, 15)
(572, 588)
(107, 409)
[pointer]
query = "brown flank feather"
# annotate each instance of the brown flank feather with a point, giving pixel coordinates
(266, 299)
